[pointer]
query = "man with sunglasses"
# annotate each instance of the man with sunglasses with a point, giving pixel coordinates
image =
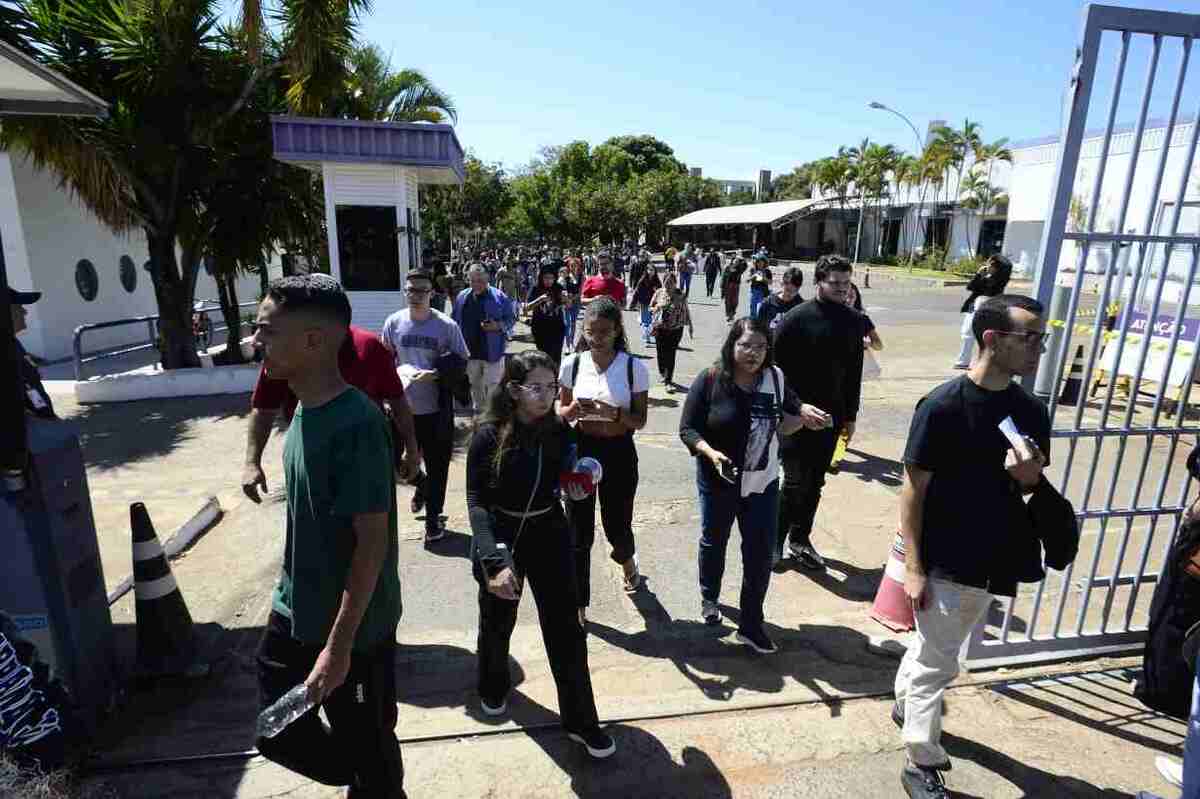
(604, 284)
(419, 338)
(963, 516)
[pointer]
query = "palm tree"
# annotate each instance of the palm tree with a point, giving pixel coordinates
(175, 88)
(374, 91)
(833, 175)
(959, 144)
(905, 171)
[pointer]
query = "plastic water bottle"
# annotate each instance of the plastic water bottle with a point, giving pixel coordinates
(591, 466)
(289, 707)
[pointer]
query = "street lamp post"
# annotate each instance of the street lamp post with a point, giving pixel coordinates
(878, 106)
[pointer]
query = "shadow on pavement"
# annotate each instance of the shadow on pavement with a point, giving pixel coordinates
(161, 426)
(655, 402)
(1033, 781)
(873, 469)
(859, 584)
(453, 545)
(706, 656)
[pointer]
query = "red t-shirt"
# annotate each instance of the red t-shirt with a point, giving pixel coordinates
(598, 285)
(365, 363)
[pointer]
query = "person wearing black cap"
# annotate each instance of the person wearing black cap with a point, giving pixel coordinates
(37, 401)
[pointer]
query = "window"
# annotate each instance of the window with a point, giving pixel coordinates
(368, 249)
(128, 274)
(87, 282)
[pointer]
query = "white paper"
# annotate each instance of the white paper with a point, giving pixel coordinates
(1009, 428)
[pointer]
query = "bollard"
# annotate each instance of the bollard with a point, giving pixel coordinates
(1049, 366)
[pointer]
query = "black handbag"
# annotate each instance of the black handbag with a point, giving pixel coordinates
(1055, 523)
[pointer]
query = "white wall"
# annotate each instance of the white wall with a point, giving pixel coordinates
(56, 231)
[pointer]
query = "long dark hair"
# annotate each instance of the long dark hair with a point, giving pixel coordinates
(725, 366)
(501, 409)
(604, 307)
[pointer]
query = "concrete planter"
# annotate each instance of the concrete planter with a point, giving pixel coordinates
(157, 384)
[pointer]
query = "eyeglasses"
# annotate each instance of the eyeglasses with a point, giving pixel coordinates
(1030, 337)
(539, 389)
(744, 347)
(416, 292)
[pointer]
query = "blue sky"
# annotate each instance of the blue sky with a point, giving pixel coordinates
(734, 87)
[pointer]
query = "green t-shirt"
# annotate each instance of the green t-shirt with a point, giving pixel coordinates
(337, 462)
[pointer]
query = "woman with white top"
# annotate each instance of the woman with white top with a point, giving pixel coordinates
(603, 392)
(730, 422)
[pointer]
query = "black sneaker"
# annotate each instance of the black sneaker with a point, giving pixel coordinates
(493, 708)
(598, 744)
(435, 531)
(418, 497)
(710, 612)
(808, 557)
(758, 641)
(898, 713)
(923, 782)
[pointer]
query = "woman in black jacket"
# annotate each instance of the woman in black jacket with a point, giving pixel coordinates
(520, 533)
(989, 281)
(546, 313)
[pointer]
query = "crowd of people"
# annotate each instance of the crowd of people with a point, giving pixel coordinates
(554, 437)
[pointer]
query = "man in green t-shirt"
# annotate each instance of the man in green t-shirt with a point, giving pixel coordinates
(334, 613)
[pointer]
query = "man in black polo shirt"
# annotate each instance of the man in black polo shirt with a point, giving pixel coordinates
(961, 509)
(818, 344)
(37, 401)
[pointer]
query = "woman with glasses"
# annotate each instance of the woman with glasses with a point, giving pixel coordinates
(604, 394)
(519, 533)
(730, 422)
(670, 308)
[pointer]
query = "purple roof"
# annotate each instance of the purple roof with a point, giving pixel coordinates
(433, 150)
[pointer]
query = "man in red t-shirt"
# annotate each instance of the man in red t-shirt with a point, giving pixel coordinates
(604, 284)
(365, 364)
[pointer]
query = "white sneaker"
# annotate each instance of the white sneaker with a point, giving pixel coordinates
(1170, 769)
(710, 612)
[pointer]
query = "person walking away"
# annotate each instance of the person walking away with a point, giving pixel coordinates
(603, 392)
(788, 297)
(819, 347)
(332, 626)
(950, 578)
(365, 364)
(712, 270)
(603, 284)
(731, 286)
(520, 534)
(546, 320)
(643, 295)
(730, 422)
(760, 284)
(420, 340)
(671, 315)
(990, 281)
(685, 270)
(484, 314)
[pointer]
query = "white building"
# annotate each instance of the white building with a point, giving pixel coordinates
(1032, 182)
(85, 272)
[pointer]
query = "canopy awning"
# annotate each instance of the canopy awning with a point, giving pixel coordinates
(27, 87)
(755, 214)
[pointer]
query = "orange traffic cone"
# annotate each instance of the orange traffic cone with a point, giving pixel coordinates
(891, 607)
(1074, 385)
(166, 642)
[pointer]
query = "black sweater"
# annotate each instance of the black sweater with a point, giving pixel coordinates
(510, 489)
(818, 345)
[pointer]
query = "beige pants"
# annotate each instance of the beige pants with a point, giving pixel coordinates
(484, 377)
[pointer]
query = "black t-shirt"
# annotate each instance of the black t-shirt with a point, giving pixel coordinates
(973, 508)
(37, 401)
(774, 307)
(818, 345)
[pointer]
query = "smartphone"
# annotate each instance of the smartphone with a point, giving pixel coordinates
(729, 472)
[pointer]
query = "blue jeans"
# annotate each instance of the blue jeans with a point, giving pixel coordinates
(685, 283)
(756, 299)
(647, 318)
(1191, 752)
(720, 505)
(570, 317)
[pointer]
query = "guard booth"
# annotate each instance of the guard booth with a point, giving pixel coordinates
(53, 586)
(372, 173)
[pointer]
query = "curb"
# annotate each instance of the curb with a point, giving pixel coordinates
(201, 522)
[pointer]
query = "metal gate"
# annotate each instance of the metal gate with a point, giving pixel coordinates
(1121, 321)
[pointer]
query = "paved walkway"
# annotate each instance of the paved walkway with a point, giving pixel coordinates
(695, 715)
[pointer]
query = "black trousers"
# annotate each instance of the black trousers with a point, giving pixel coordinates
(617, 491)
(548, 337)
(710, 281)
(435, 434)
(543, 560)
(667, 342)
(805, 457)
(359, 748)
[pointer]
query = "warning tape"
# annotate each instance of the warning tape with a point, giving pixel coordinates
(1109, 335)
